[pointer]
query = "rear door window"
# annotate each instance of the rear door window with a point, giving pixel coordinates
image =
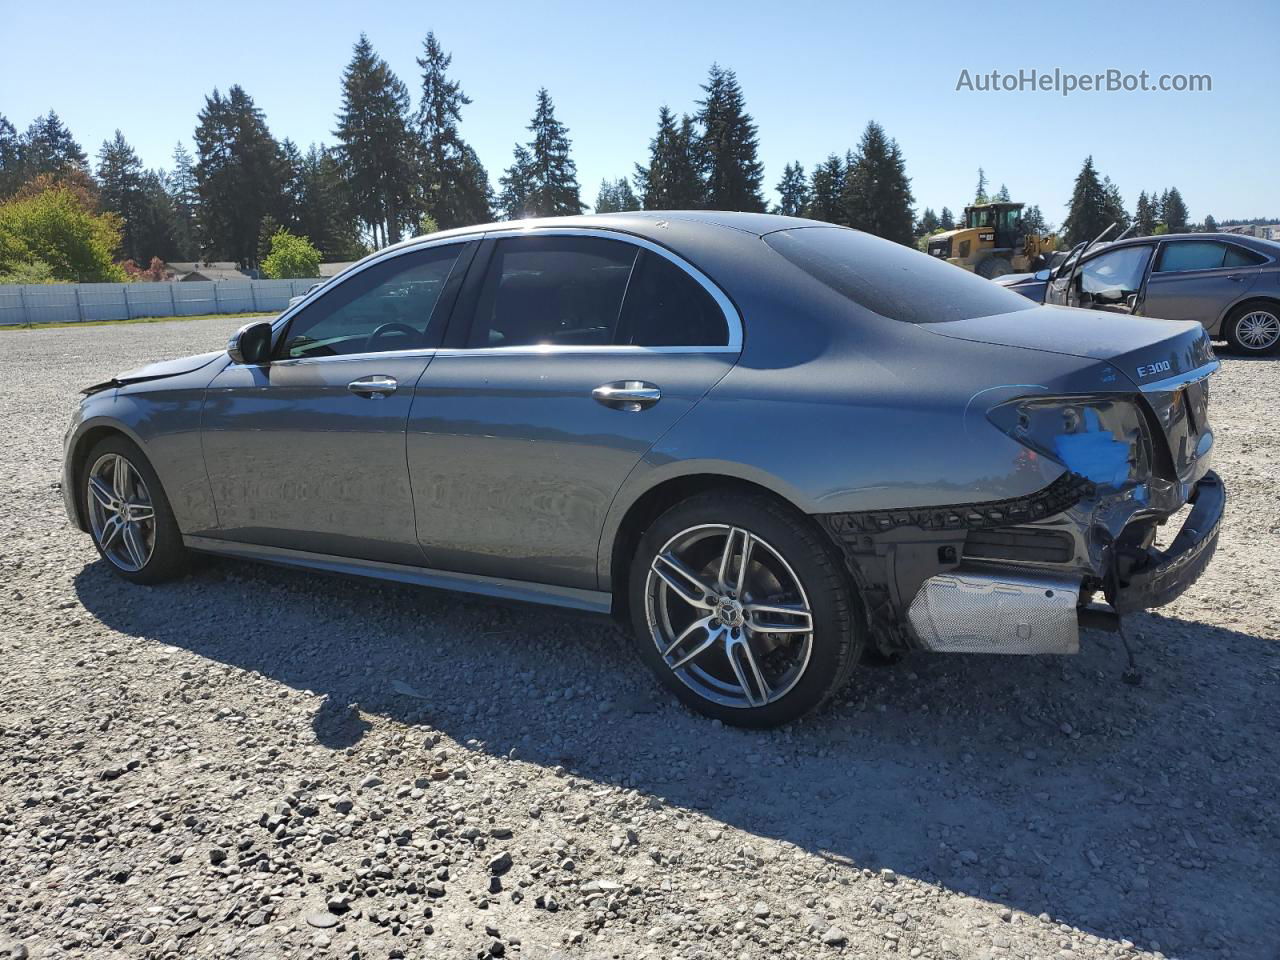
(554, 291)
(666, 307)
(892, 280)
(1180, 256)
(1240, 257)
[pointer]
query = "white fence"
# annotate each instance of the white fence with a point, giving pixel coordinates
(71, 302)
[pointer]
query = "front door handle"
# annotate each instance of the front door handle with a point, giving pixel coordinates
(375, 386)
(1236, 277)
(630, 395)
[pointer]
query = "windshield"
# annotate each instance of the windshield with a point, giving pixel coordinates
(890, 279)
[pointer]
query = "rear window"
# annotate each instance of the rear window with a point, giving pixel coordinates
(890, 279)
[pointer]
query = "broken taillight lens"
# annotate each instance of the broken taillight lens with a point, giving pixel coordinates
(1102, 438)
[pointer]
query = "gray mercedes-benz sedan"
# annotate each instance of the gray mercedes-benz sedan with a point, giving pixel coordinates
(771, 445)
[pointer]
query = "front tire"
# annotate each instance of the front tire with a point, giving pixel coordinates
(130, 520)
(756, 643)
(1253, 328)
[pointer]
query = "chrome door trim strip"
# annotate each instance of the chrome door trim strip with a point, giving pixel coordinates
(1182, 379)
(591, 601)
(551, 349)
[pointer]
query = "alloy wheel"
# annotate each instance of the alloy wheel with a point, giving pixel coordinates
(729, 616)
(121, 514)
(1259, 330)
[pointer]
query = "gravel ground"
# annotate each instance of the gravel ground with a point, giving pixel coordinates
(262, 763)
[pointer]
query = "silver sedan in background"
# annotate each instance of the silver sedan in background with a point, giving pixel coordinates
(768, 445)
(1229, 284)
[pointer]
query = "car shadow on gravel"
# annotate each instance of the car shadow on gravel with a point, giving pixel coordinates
(1046, 784)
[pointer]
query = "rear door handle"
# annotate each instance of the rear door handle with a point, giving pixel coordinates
(1236, 277)
(375, 386)
(630, 395)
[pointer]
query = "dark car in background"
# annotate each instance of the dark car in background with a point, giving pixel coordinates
(1229, 284)
(767, 444)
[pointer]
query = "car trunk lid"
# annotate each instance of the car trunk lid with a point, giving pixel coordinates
(1167, 361)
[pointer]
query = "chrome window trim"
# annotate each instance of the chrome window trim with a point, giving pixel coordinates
(532, 350)
(411, 353)
(733, 320)
(1208, 238)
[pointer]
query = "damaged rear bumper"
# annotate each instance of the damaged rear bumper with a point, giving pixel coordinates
(986, 601)
(1168, 573)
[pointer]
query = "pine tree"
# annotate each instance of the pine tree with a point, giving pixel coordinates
(290, 207)
(1174, 211)
(1144, 216)
(727, 146)
(1033, 221)
(11, 148)
(322, 211)
(515, 199)
(49, 148)
(616, 196)
(1210, 224)
(155, 223)
(120, 189)
(928, 223)
(980, 194)
(238, 175)
(826, 189)
(455, 186)
(1114, 208)
(375, 147)
(877, 192)
(1087, 211)
(671, 180)
(793, 191)
(543, 179)
(1002, 195)
(474, 196)
(184, 197)
(946, 219)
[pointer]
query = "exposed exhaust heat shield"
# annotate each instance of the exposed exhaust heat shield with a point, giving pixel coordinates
(1002, 611)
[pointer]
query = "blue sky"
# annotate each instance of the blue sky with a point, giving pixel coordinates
(813, 75)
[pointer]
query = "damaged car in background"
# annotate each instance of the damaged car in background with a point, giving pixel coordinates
(771, 446)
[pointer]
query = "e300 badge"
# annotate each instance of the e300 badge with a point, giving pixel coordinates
(1151, 369)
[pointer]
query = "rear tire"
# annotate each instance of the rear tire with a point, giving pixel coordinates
(993, 267)
(1253, 328)
(129, 516)
(702, 626)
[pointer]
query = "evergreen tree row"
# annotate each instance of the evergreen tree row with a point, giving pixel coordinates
(400, 166)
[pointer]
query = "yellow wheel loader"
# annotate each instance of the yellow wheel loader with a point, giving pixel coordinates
(993, 242)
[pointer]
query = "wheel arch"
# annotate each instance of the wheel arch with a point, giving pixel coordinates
(86, 438)
(1220, 328)
(628, 521)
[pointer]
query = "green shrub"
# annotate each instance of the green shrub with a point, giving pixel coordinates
(291, 257)
(55, 229)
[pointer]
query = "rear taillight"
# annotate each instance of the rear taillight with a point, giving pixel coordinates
(1102, 438)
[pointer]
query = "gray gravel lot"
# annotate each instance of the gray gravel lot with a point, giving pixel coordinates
(262, 763)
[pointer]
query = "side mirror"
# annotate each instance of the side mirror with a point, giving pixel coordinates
(1043, 274)
(251, 344)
